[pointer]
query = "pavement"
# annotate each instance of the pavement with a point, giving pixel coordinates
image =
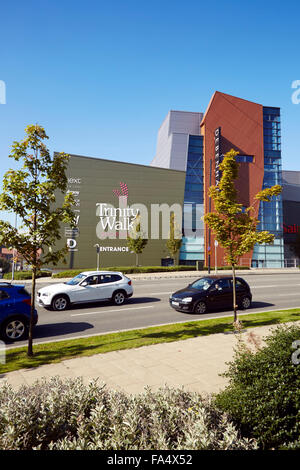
(194, 364)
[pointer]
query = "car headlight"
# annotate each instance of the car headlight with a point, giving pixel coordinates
(187, 300)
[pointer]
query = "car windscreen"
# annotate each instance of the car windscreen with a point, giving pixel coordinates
(202, 284)
(76, 280)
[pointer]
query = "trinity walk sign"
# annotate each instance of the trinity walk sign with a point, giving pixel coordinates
(119, 222)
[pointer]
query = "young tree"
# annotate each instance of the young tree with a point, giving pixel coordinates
(173, 244)
(30, 192)
(235, 229)
(135, 240)
(4, 265)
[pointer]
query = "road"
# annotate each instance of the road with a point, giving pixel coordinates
(150, 306)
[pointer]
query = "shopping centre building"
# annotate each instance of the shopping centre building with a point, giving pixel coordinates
(111, 196)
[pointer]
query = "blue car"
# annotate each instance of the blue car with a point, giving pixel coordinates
(15, 304)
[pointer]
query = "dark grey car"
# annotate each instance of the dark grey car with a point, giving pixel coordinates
(211, 293)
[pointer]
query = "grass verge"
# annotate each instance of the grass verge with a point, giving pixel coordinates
(62, 350)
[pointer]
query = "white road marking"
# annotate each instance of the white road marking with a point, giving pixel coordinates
(251, 287)
(290, 293)
(107, 311)
(157, 293)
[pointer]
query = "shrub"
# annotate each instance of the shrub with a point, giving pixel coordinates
(263, 395)
(141, 269)
(128, 270)
(65, 415)
(21, 275)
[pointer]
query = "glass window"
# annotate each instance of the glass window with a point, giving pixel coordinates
(202, 284)
(76, 280)
(222, 284)
(3, 295)
(92, 280)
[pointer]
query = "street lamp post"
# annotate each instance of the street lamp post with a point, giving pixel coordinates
(216, 263)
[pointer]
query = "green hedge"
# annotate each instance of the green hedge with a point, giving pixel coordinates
(128, 270)
(5, 265)
(141, 269)
(263, 395)
(227, 268)
(22, 275)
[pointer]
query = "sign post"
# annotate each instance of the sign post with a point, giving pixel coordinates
(98, 255)
(216, 263)
(208, 252)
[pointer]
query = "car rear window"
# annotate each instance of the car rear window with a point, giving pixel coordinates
(105, 278)
(23, 291)
(239, 283)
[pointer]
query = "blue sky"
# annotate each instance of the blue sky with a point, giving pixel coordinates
(101, 76)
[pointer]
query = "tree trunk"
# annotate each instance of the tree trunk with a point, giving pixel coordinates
(137, 259)
(30, 349)
(234, 294)
(34, 264)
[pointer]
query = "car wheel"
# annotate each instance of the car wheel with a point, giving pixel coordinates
(119, 298)
(200, 307)
(14, 329)
(60, 303)
(246, 303)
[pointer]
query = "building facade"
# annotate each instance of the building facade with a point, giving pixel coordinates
(254, 131)
(190, 148)
(108, 195)
(291, 216)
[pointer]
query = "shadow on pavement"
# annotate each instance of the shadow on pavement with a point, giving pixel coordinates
(57, 329)
(263, 305)
(131, 301)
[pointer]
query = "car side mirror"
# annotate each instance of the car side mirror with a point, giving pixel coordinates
(84, 283)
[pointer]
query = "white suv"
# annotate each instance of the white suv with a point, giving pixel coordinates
(89, 286)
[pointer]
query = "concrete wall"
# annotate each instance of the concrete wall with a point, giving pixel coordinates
(172, 141)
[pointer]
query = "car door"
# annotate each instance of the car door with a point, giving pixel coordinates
(107, 284)
(220, 294)
(86, 291)
(96, 287)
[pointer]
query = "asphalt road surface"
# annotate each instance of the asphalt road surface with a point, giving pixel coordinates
(149, 306)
